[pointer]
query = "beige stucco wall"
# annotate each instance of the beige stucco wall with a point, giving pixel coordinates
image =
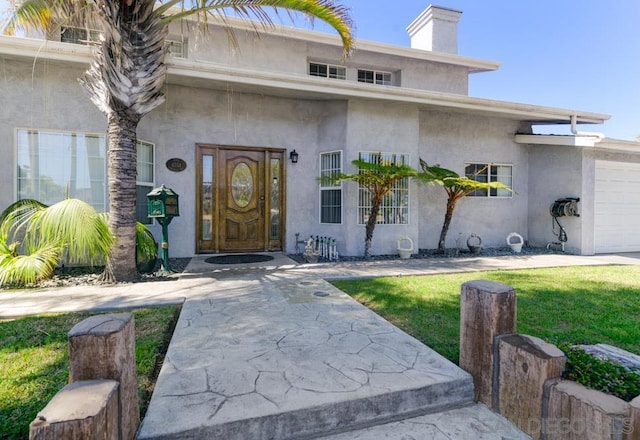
(450, 140)
(556, 172)
(278, 53)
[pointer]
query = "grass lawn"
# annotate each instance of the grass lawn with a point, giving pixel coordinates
(34, 359)
(594, 304)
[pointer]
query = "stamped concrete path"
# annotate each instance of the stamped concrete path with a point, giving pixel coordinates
(282, 354)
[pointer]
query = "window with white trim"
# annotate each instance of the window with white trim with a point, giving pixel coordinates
(144, 180)
(176, 46)
(483, 172)
(327, 71)
(395, 205)
(330, 191)
(79, 35)
(54, 165)
(374, 77)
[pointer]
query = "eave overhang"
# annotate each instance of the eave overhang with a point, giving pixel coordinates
(190, 73)
(580, 140)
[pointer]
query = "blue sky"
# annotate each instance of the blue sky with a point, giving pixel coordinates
(576, 54)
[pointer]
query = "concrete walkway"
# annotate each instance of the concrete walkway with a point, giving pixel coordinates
(273, 351)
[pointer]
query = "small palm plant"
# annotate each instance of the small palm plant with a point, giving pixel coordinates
(457, 187)
(35, 237)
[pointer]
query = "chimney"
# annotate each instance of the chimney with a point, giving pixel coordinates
(436, 29)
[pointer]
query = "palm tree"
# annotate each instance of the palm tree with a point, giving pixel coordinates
(127, 73)
(457, 187)
(379, 177)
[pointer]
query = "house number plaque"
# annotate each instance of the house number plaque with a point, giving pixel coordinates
(176, 164)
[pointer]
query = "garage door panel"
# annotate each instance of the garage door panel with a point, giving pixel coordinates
(617, 207)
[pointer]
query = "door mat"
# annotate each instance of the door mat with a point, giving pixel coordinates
(239, 259)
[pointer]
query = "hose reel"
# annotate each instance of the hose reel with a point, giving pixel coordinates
(565, 207)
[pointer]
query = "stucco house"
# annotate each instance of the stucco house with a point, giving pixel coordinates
(224, 141)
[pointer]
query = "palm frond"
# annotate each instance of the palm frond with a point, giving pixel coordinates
(15, 219)
(28, 15)
(28, 269)
(75, 225)
(146, 246)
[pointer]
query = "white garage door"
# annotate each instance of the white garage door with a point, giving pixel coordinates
(617, 207)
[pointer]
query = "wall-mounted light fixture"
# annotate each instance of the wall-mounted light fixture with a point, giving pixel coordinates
(293, 156)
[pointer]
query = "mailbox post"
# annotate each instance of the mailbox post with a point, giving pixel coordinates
(163, 206)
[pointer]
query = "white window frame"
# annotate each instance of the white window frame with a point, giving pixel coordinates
(492, 177)
(376, 80)
(401, 191)
(90, 35)
(176, 46)
(101, 136)
(329, 67)
(328, 186)
(141, 214)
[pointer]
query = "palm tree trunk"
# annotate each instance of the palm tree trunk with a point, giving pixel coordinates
(451, 206)
(121, 265)
(371, 225)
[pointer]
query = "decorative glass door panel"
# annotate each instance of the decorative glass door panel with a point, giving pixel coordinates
(206, 205)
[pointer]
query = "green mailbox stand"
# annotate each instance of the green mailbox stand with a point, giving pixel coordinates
(163, 206)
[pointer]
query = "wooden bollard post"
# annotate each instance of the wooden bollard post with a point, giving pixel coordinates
(487, 309)
(525, 363)
(81, 410)
(103, 347)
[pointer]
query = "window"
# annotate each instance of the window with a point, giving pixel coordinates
(330, 193)
(176, 45)
(144, 180)
(483, 172)
(79, 35)
(327, 71)
(373, 77)
(55, 165)
(395, 205)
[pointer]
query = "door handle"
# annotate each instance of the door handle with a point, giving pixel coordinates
(262, 205)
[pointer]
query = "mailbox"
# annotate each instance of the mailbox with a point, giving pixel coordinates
(163, 206)
(163, 203)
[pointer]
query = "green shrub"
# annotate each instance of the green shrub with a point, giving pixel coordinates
(599, 374)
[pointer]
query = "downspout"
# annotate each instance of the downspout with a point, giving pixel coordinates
(574, 129)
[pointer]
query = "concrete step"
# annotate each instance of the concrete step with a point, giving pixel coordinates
(290, 356)
(475, 422)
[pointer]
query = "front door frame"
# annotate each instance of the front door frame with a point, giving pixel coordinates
(274, 163)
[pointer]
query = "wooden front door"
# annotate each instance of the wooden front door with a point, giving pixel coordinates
(242, 201)
(239, 193)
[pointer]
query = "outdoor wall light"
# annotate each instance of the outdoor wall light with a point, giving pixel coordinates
(293, 156)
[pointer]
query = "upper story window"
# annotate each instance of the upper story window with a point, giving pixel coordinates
(374, 77)
(54, 165)
(395, 204)
(483, 172)
(176, 46)
(330, 192)
(327, 71)
(78, 35)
